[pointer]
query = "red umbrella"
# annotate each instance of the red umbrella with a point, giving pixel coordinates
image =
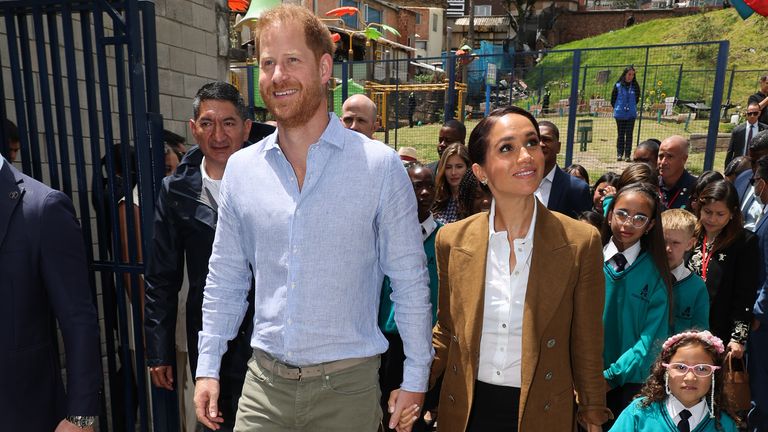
(238, 5)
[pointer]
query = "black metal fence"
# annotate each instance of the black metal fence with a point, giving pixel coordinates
(681, 92)
(81, 83)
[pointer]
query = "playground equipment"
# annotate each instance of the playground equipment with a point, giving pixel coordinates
(379, 93)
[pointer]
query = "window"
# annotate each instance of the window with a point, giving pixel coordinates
(434, 22)
(372, 15)
(350, 20)
(418, 17)
(483, 10)
(421, 45)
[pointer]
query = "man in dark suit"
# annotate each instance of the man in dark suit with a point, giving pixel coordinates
(44, 280)
(743, 134)
(757, 356)
(559, 191)
(751, 209)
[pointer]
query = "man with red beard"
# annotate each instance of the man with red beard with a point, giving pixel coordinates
(318, 214)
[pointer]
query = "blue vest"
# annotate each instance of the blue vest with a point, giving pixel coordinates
(625, 107)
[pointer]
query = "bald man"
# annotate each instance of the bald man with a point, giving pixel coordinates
(359, 114)
(675, 182)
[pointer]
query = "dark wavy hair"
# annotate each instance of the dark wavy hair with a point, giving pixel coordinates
(579, 169)
(624, 74)
(478, 139)
(442, 188)
(721, 190)
(654, 389)
(653, 241)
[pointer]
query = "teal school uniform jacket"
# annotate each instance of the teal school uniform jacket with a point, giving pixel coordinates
(387, 308)
(655, 418)
(636, 320)
(691, 304)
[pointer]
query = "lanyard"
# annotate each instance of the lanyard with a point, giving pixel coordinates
(705, 257)
(668, 204)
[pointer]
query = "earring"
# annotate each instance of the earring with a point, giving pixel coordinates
(484, 182)
(666, 383)
(712, 398)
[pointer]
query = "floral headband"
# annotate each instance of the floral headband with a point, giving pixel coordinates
(704, 336)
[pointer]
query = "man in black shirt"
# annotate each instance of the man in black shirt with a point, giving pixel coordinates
(761, 98)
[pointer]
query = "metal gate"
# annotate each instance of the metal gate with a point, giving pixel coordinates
(83, 91)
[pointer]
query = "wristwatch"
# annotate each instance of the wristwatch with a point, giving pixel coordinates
(81, 421)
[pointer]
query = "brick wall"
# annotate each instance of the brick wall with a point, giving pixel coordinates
(582, 24)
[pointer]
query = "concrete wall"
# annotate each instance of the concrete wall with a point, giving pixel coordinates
(192, 49)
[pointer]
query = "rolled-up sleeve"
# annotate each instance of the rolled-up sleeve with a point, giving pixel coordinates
(226, 287)
(402, 258)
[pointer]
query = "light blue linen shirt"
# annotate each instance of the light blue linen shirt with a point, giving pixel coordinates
(318, 255)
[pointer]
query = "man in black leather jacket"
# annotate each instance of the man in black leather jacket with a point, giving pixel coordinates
(184, 228)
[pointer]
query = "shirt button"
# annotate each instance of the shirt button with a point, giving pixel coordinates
(290, 321)
(519, 249)
(498, 373)
(503, 325)
(517, 273)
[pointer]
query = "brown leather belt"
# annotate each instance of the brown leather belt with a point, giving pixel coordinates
(283, 370)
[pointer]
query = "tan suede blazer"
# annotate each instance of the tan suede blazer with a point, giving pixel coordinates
(562, 328)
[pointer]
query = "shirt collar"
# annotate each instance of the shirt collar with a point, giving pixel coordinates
(204, 173)
(551, 174)
(492, 217)
(2, 161)
(681, 272)
(698, 411)
(428, 227)
(334, 134)
(631, 253)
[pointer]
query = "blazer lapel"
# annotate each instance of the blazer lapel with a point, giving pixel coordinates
(10, 196)
(545, 288)
(468, 289)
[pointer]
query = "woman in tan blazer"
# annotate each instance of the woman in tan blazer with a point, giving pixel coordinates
(519, 324)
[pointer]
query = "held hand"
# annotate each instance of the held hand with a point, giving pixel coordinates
(736, 349)
(594, 428)
(206, 403)
(755, 321)
(65, 426)
(404, 407)
(162, 376)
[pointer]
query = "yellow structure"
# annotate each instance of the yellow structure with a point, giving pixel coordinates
(379, 92)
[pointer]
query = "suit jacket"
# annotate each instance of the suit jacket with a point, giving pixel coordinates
(562, 324)
(738, 137)
(732, 282)
(760, 309)
(742, 185)
(569, 195)
(44, 279)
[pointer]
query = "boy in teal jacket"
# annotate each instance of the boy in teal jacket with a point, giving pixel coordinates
(690, 296)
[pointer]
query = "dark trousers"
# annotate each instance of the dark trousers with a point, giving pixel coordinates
(619, 398)
(494, 408)
(757, 364)
(624, 140)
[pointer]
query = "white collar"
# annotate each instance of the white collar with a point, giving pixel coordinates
(698, 411)
(681, 272)
(492, 217)
(205, 173)
(631, 253)
(428, 227)
(551, 174)
(2, 161)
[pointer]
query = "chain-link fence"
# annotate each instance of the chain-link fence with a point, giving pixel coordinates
(681, 89)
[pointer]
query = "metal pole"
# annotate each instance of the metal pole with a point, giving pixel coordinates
(717, 100)
(451, 72)
(573, 106)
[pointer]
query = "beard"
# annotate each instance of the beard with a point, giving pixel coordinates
(296, 113)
